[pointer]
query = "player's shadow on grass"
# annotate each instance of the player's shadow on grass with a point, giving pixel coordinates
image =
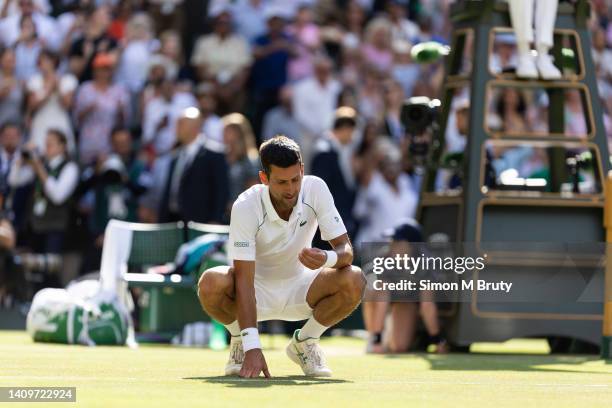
(237, 382)
(504, 362)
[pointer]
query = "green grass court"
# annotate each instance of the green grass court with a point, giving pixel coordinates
(163, 376)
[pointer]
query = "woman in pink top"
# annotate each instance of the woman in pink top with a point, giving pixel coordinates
(100, 107)
(308, 43)
(377, 50)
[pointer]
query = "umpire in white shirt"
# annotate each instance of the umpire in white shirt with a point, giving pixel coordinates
(55, 178)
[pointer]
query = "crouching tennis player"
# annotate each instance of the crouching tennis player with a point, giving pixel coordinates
(276, 275)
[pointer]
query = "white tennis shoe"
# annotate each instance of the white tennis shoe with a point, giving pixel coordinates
(308, 355)
(236, 357)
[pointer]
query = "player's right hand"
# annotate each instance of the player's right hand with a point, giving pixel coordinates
(254, 363)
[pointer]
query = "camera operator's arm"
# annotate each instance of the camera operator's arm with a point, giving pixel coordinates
(21, 173)
(59, 189)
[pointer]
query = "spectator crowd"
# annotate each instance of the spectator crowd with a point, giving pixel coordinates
(152, 110)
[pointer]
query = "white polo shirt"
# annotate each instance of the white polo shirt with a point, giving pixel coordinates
(257, 233)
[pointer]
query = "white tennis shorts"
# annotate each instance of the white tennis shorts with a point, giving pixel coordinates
(284, 299)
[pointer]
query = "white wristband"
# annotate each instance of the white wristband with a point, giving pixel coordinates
(250, 339)
(332, 259)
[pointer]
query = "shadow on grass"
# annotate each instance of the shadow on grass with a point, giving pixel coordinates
(237, 382)
(503, 362)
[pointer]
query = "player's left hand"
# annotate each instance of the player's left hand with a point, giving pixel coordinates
(312, 258)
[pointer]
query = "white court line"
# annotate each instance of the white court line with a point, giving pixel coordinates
(230, 380)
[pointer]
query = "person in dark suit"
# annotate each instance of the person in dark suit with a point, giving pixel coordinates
(332, 161)
(197, 184)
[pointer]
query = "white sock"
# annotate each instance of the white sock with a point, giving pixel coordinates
(542, 49)
(523, 48)
(312, 329)
(233, 328)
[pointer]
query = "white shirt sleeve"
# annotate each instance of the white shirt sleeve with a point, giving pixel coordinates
(243, 228)
(328, 217)
(20, 174)
(59, 189)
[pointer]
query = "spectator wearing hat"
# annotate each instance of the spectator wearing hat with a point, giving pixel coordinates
(55, 177)
(196, 186)
(223, 58)
(333, 162)
(100, 106)
(402, 307)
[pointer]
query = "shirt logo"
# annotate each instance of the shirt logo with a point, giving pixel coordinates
(303, 223)
(337, 219)
(241, 244)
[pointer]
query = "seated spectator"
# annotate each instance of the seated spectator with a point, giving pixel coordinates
(308, 44)
(50, 98)
(371, 102)
(223, 58)
(511, 110)
(100, 106)
(196, 186)
(404, 70)
(280, 120)
(333, 162)
(160, 116)
(159, 69)
(172, 48)
(403, 308)
(394, 100)
(27, 49)
(212, 126)
(376, 50)
(269, 71)
(241, 155)
(11, 89)
(314, 102)
(386, 194)
(55, 179)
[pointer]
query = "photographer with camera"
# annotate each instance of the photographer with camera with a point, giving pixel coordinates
(55, 177)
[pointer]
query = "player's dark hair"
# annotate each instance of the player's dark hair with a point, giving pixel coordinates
(280, 151)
